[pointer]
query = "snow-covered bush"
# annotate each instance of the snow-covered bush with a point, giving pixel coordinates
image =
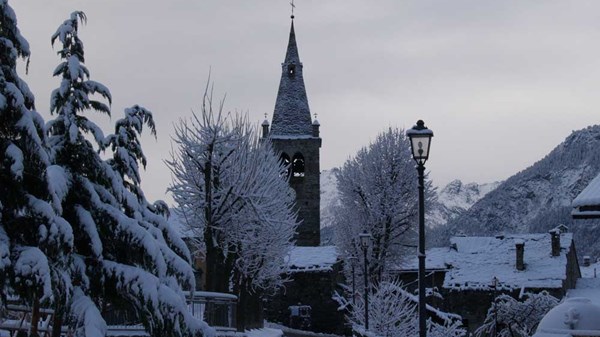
(509, 317)
(393, 313)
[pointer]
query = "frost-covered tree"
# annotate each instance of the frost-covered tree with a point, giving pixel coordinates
(393, 313)
(125, 254)
(232, 192)
(34, 241)
(510, 317)
(378, 193)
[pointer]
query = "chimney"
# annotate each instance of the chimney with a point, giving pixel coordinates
(520, 246)
(586, 261)
(555, 241)
(265, 128)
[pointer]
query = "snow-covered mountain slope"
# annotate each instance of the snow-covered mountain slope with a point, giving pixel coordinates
(539, 197)
(454, 199)
(329, 196)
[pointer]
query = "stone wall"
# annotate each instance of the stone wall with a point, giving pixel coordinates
(316, 290)
(308, 189)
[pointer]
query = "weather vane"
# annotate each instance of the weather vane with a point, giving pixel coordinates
(293, 6)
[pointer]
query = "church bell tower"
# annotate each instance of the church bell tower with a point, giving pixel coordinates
(296, 136)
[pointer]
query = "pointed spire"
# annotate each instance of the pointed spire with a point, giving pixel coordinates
(291, 117)
(291, 56)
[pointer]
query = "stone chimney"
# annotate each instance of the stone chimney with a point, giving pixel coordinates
(586, 261)
(520, 247)
(555, 241)
(265, 128)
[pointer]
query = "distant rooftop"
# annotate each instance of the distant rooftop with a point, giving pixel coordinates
(310, 259)
(587, 204)
(475, 261)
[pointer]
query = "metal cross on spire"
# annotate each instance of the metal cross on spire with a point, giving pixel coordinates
(293, 6)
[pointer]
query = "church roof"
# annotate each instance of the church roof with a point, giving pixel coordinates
(291, 117)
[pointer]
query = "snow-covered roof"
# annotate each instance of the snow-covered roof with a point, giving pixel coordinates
(475, 261)
(588, 198)
(573, 317)
(590, 195)
(303, 259)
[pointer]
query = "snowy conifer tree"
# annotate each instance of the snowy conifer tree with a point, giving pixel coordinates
(126, 257)
(34, 241)
(378, 193)
(231, 189)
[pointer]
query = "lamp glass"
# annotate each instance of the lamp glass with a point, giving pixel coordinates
(420, 147)
(365, 239)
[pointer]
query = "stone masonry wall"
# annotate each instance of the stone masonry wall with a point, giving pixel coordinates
(308, 190)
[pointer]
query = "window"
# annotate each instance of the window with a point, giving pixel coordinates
(291, 70)
(298, 165)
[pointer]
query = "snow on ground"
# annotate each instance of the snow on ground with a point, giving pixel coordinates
(312, 258)
(264, 332)
(587, 288)
(295, 332)
(592, 271)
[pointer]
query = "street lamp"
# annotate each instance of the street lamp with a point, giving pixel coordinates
(495, 287)
(365, 242)
(353, 259)
(420, 139)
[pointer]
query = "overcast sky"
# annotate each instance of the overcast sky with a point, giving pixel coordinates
(500, 83)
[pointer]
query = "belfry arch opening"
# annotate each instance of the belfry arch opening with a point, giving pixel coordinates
(298, 165)
(286, 161)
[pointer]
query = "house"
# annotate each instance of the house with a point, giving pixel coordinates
(464, 273)
(314, 275)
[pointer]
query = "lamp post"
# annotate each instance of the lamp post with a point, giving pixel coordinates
(495, 286)
(365, 241)
(420, 139)
(353, 259)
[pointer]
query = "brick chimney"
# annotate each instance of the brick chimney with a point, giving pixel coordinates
(555, 241)
(520, 247)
